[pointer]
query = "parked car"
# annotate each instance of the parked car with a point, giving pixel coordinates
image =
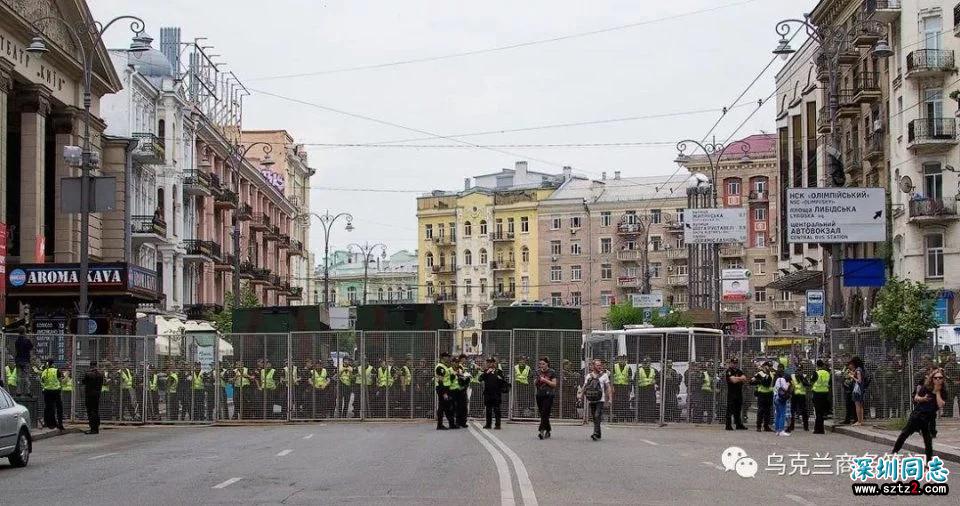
(15, 440)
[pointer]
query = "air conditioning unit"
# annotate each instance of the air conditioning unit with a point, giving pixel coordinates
(573, 230)
(554, 258)
(669, 268)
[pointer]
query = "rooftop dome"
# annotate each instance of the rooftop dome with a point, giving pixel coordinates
(152, 63)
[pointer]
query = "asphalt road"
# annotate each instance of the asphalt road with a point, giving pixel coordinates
(410, 463)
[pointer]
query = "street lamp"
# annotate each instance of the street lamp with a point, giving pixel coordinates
(367, 251)
(714, 152)
(240, 153)
(327, 221)
(93, 35)
(833, 41)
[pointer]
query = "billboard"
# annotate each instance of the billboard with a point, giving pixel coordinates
(836, 215)
(735, 285)
(713, 226)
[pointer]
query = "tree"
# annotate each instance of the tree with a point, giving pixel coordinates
(223, 320)
(904, 311)
(625, 314)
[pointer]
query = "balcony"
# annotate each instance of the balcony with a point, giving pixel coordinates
(884, 11)
(260, 222)
(629, 229)
(196, 182)
(851, 161)
(201, 311)
(200, 250)
(731, 250)
(147, 229)
(502, 266)
(260, 276)
(224, 262)
(247, 270)
(674, 226)
(848, 107)
(271, 233)
(283, 241)
(929, 211)
(296, 293)
(823, 121)
(866, 87)
(677, 279)
(296, 248)
(875, 145)
(924, 63)
(215, 185)
(630, 255)
(226, 199)
(759, 196)
(680, 306)
(823, 67)
(733, 307)
(274, 281)
(244, 212)
(786, 306)
(932, 134)
(149, 148)
(444, 269)
(628, 282)
(849, 55)
(445, 298)
(445, 240)
(674, 253)
(501, 236)
(504, 296)
(867, 33)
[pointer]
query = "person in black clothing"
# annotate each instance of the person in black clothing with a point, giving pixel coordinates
(23, 347)
(764, 380)
(460, 404)
(546, 383)
(92, 384)
(444, 399)
(798, 401)
(734, 379)
(493, 383)
(928, 399)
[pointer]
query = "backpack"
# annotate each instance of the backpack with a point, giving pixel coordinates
(785, 394)
(592, 391)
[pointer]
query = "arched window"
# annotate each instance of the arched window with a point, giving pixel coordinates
(467, 258)
(467, 229)
(390, 293)
(483, 256)
(524, 254)
(352, 294)
(429, 259)
(483, 227)
(380, 293)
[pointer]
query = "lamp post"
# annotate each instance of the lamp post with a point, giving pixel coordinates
(240, 153)
(327, 221)
(833, 41)
(87, 36)
(367, 250)
(714, 150)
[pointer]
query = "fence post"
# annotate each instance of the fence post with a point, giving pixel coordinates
(362, 375)
(217, 379)
(289, 378)
(143, 387)
(663, 375)
(513, 379)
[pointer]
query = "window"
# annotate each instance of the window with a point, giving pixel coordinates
(468, 286)
(556, 299)
(524, 284)
(678, 242)
(760, 241)
(483, 285)
(390, 293)
(759, 266)
(352, 293)
(760, 213)
(555, 224)
(524, 224)
(760, 295)
(656, 216)
(759, 323)
(785, 324)
(736, 263)
(510, 229)
(606, 218)
(656, 243)
(574, 222)
(556, 273)
(682, 269)
(933, 245)
(380, 293)
(467, 229)
(467, 310)
(576, 273)
(760, 185)
(606, 298)
(483, 227)
(467, 258)
(932, 181)
(555, 248)
(498, 226)
(655, 270)
(785, 295)
(606, 271)
(429, 259)
(428, 231)
(679, 215)
(575, 248)
(733, 187)
(606, 245)
(524, 254)
(630, 218)
(440, 229)
(931, 27)
(576, 299)
(483, 256)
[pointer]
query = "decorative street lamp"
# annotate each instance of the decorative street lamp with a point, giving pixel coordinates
(327, 221)
(367, 251)
(240, 153)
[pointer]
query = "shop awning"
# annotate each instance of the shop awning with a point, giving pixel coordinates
(799, 282)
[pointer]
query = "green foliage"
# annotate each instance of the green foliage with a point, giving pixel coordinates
(904, 312)
(625, 314)
(223, 320)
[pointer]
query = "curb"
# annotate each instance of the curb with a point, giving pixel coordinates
(951, 455)
(54, 433)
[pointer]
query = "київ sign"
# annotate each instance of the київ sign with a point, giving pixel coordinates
(836, 215)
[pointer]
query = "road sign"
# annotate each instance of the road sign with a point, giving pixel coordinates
(654, 299)
(740, 327)
(815, 303)
(710, 226)
(836, 215)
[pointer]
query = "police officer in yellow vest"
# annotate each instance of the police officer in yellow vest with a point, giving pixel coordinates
(622, 379)
(648, 382)
(52, 404)
(66, 386)
(153, 396)
(243, 393)
(173, 396)
(522, 390)
(798, 401)
(404, 387)
(268, 389)
(11, 373)
(346, 375)
(127, 403)
(320, 395)
(763, 381)
(700, 392)
(821, 395)
(462, 382)
(291, 379)
(444, 378)
(108, 391)
(197, 392)
(379, 405)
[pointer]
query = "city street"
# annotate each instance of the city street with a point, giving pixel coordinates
(410, 463)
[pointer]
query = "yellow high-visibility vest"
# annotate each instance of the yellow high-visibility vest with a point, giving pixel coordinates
(621, 376)
(822, 385)
(521, 374)
(645, 378)
(797, 386)
(707, 382)
(49, 379)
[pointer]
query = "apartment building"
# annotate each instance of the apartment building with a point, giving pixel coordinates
(389, 280)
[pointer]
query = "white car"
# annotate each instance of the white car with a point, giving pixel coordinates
(15, 440)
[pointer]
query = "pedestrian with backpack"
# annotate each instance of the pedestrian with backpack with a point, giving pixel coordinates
(782, 391)
(595, 392)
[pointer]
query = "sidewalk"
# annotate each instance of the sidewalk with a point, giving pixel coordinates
(946, 445)
(39, 434)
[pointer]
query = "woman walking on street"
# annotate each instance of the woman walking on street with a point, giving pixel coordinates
(546, 382)
(781, 397)
(927, 400)
(859, 387)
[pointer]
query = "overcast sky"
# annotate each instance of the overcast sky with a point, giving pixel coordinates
(693, 62)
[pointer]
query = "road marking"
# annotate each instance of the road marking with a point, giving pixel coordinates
(284, 453)
(650, 442)
(711, 464)
(227, 483)
(800, 500)
(98, 457)
(503, 471)
(308, 436)
(523, 479)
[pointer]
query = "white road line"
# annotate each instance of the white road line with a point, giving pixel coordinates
(98, 457)
(308, 436)
(227, 483)
(503, 471)
(650, 442)
(800, 500)
(711, 464)
(523, 479)
(284, 453)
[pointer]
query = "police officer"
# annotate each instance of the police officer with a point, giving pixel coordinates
(458, 392)
(11, 373)
(622, 379)
(320, 381)
(366, 383)
(701, 393)
(345, 376)
(443, 380)
(763, 381)
(268, 388)
(734, 379)
(66, 386)
(647, 384)
(197, 392)
(524, 392)
(52, 404)
(380, 406)
(107, 390)
(291, 380)
(821, 395)
(798, 401)
(92, 389)
(243, 392)
(153, 396)
(493, 383)
(173, 397)
(404, 387)
(127, 403)
(671, 389)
